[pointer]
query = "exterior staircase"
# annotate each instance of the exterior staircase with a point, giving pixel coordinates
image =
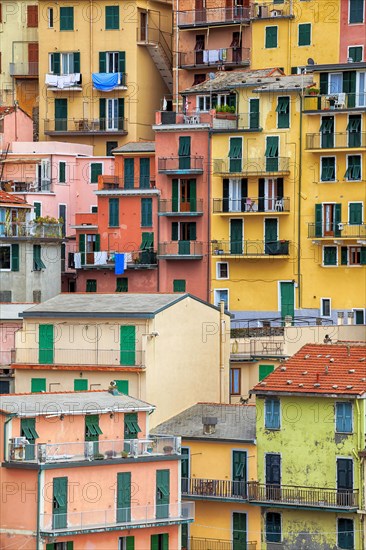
(160, 52)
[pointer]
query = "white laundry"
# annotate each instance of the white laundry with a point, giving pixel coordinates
(100, 258)
(51, 79)
(213, 56)
(77, 260)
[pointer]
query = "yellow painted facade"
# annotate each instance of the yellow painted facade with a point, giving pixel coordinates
(128, 110)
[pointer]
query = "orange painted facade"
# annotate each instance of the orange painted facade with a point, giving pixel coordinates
(351, 34)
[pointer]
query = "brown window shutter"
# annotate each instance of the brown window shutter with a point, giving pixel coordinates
(32, 16)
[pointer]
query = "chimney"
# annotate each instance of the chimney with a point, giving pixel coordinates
(348, 350)
(317, 377)
(209, 424)
(340, 315)
(288, 320)
(350, 317)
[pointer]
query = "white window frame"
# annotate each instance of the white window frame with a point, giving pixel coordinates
(349, 13)
(218, 271)
(50, 15)
(332, 92)
(352, 155)
(62, 56)
(58, 173)
(335, 168)
(298, 34)
(321, 308)
(217, 292)
(337, 259)
(364, 314)
(115, 55)
(356, 46)
(207, 100)
(6, 246)
(362, 210)
(358, 92)
(91, 208)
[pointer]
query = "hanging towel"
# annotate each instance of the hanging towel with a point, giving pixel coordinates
(213, 56)
(205, 56)
(51, 79)
(77, 260)
(106, 82)
(100, 258)
(119, 264)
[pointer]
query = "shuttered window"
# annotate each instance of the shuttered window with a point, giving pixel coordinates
(28, 428)
(346, 535)
(184, 152)
(14, 256)
(146, 212)
(122, 386)
(283, 112)
(91, 285)
(179, 285)
(92, 429)
(46, 344)
(271, 40)
(355, 213)
(131, 427)
(122, 284)
(343, 417)
(330, 255)
(235, 154)
(147, 241)
(66, 19)
(112, 17)
(327, 169)
(114, 212)
(127, 345)
(273, 527)
(129, 173)
(271, 153)
(62, 172)
(38, 265)
(304, 34)
(356, 11)
(354, 131)
(96, 169)
(32, 16)
(355, 53)
(353, 172)
(144, 173)
(272, 414)
(160, 542)
(38, 385)
(80, 384)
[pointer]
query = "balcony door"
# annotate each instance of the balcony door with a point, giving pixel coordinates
(236, 236)
(184, 198)
(239, 473)
(345, 481)
(287, 299)
(200, 10)
(273, 476)
(60, 115)
(112, 114)
(162, 493)
(44, 175)
(33, 58)
(270, 235)
(185, 467)
(239, 531)
(270, 190)
(328, 220)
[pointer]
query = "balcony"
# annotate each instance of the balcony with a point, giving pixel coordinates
(255, 205)
(80, 451)
(115, 519)
(73, 356)
(216, 544)
(223, 57)
(180, 250)
(271, 10)
(22, 69)
(27, 185)
(336, 230)
(213, 16)
(138, 259)
(211, 119)
(339, 140)
(310, 497)
(85, 127)
(180, 165)
(115, 185)
(175, 207)
(333, 103)
(252, 249)
(214, 489)
(64, 82)
(252, 167)
(250, 348)
(20, 230)
(120, 79)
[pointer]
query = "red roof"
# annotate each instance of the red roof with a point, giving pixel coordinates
(332, 369)
(11, 199)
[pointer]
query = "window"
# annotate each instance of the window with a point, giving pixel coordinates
(179, 285)
(353, 172)
(38, 385)
(59, 503)
(304, 36)
(222, 270)
(205, 102)
(80, 384)
(127, 345)
(37, 209)
(66, 19)
(327, 169)
(355, 53)
(272, 153)
(96, 169)
(283, 112)
(144, 173)
(272, 414)
(112, 62)
(92, 429)
(325, 307)
(184, 152)
(122, 284)
(45, 344)
(160, 542)
(50, 18)
(360, 316)
(62, 172)
(122, 386)
(146, 212)
(38, 265)
(91, 285)
(273, 527)
(131, 427)
(345, 533)
(198, 79)
(235, 154)
(221, 295)
(271, 39)
(94, 209)
(343, 417)
(355, 213)
(32, 16)
(113, 213)
(64, 63)
(69, 545)
(126, 543)
(265, 370)
(129, 173)
(110, 145)
(356, 8)
(327, 131)
(353, 255)
(235, 379)
(329, 255)
(354, 131)
(5, 257)
(112, 17)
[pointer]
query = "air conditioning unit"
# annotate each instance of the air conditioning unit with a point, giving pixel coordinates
(89, 450)
(19, 441)
(276, 13)
(17, 449)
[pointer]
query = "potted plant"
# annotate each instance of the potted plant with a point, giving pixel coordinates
(124, 454)
(98, 456)
(168, 449)
(313, 91)
(226, 112)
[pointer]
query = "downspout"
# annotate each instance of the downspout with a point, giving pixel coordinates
(361, 503)
(6, 448)
(91, 110)
(222, 356)
(299, 288)
(209, 164)
(38, 547)
(176, 59)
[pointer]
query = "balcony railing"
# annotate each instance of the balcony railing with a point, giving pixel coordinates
(317, 497)
(341, 230)
(340, 140)
(121, 83)
(212, 16)
(57, 356)
(31, 229)
(256, 348)
(181, 250)
(215, 544)
(172, 207)
(251, 205)
(71, 81)
(27, 185)
(115, 183)
(121, 518)
(271, 9)
(214, 488)
(105, 260)
(44, 453)
(253, 249)
(223, 57)
(255, 167)
(103, 126)
(216, 120)
(334, 102)
(24, 69)
(179, 165)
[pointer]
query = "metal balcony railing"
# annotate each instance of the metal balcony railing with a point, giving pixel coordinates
(257, 347)
(152, 36)
(196, 543)
(318, 497)
(339, 140)
(192, 18)
(214, 488)
(88, 520)
(253, 204)
(212, 58)
(93, 356)
(334, 102)
(251, 248)
(27, 185)
(31, 229)
(45, 453)
(180, 207)
(104, 259)
(110, 183)
(24, 69)
(190, 164)
(181, 250)
(335, 229)
(255, 167)
(85, 125)
(216, 120)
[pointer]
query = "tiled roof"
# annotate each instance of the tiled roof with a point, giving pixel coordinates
(229, 80)
(285, 83)
(136, 147)
(234, 423)
(7, 198)
(330, 369)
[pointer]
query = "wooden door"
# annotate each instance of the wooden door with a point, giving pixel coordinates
(33, 58)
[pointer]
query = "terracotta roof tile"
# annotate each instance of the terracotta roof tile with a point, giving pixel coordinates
(11, 199)
(320, 369)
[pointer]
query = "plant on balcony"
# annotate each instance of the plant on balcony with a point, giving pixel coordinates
(48, 222)
(124, 454)
(98, 456)
(226, 112)
(313, 91)
(168, 449)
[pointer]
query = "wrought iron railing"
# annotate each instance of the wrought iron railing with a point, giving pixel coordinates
(74, 356)
(188, 206)
(181, 249)
(214, 488)
(336, 140)
(85, 125)
(336, 229)
(31, 229)
(264, 165)
(218, 57)
(252, 204)
(213, 15)
(190, 164)
(251, 248)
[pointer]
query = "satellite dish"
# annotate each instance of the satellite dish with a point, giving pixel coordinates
(211, 76)
(311, 61)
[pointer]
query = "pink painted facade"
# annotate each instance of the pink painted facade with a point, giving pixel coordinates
(15, 125)
(351, 34)
(111, 485)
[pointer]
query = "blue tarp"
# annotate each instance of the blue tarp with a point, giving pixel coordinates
(105, 82)
(119, 264)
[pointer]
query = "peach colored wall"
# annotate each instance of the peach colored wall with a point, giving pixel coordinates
(351, 35)
(119, 165)
(17, 127)
(7, 331)
(141, 280)
(19, 499)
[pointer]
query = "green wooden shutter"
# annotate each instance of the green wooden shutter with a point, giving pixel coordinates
(129, 173)
(356, 11)
(56, 63)
(122, 386)
(122, 62)
(59, 502)
(287, 299)
(324, 77)
(236, 236)
(122, 284)
(144, 173)
(102, 113)
(121, 113)
(318, 220)
(131, 427)
(349, 87)
(130, 543)
(96, 169)
(179, 285)
(114, 212)
(354, 131)
(304, 34)
(175, 195)
(124, 497)
(162, 493)
(265, 370)
(80, 384)
(192, 231)
(146, 212)
(37, 209)
(50, 546)
(192, 195)
(253, 113)
(76, 62)
(355, 53)
(344, 255)
(127, 345)
(235, 155)
(239, 465)
(15, 257)
(355, 213)
(38, 385)
(165, 541)
(271, 153)
(330, 255)
(91, 285)
(239, 531)
(82, 240)
(154, 542)
(363, 255)
(283, 112)
(271, 37)
(337, 219)
(112, 17)
(46, 344)
(38, 264)
(60, 114)
(175, 231)
(66, 19)
(184, 152)
(62, 172)
(97, 242)
(102, 62)
(70, 545)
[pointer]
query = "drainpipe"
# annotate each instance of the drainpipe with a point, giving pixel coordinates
(176, 58)
(91, 105)
(222, 350)
(299, 287)
(38, 547)
(209, 164)
(6, 447)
